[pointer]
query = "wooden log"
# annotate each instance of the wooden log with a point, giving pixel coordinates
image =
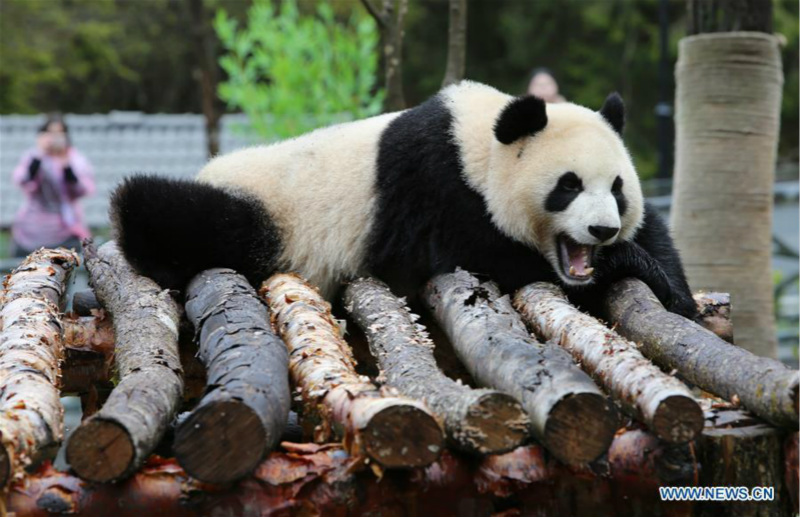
(659, 400)
(568, 413)
(31, 348)
(391, 430)
(115, 441)
(84, 302)
(714, 313)
(764, 386)
(480, 421)
(739, 450)
(88, 353)
(242, 414)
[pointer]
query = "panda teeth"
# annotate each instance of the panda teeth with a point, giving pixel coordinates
(588, 271)
(572, 270)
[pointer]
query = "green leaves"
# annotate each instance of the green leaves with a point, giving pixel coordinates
(292, 72)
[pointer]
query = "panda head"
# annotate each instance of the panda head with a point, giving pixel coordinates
(561, 180)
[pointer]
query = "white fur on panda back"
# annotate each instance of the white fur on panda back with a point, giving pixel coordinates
(319, 189)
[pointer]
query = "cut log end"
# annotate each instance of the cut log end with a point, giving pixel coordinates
(678, 419)
(403, 435)
(566, 433)
(495, 423)
(100, 450)
(213, 450)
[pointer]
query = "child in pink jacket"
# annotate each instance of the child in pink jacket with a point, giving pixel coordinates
(53, 177)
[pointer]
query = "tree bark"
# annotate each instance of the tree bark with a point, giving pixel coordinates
(204, 47)
(714, 314)
(737, 450)
(115, 441)
(728, 100)
(242, 414)
(31, 350)
(659, 400)
(478, 421)
(456, 43)
(764, 386)
(391, 430)
(390, 20)
(729, 15)
(491, 340)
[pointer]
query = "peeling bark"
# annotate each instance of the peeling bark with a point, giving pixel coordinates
(764, 386)
(391, 430)
(568, 413)
(115, 441)
(31, 349)
(481, 421)
(659, 400)
(242, 414)
(714, 314)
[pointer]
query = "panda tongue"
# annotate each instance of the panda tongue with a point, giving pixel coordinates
(578, 260)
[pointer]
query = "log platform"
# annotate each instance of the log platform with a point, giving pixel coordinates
(374, 446)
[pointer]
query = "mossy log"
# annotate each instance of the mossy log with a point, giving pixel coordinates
(476, 420)
(764, 386)
(568, 412)
(246, 404)
(659, 400)
(391, 430)
(116, 440)
(31, 350)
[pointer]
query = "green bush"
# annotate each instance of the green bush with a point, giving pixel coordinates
(291, 72)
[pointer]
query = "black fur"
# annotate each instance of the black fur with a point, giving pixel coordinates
(619, 197)
(170, 230)
(568, 188)
(613, 111)
(523, 116)
(430, 221)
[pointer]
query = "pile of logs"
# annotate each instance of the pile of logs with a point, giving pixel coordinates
(255, 400)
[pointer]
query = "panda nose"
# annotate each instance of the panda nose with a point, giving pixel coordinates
(603, 233)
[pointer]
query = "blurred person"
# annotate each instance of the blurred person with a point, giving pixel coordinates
(53, 176)
(543, 84)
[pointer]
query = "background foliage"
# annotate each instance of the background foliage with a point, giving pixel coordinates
(291, 72)
(86, 56)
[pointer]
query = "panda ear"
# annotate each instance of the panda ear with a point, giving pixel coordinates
(523, 116)
(613, 111)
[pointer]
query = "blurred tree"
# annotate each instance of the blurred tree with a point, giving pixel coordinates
(456, 42)
(291, 73)
(391, 22)
(727, 118)
(205, 51)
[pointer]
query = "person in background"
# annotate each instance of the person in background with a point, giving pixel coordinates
(543, 84)
(53, 176)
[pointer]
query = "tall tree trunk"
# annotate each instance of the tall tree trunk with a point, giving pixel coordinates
(204, 48)
(456, 43)
(390, 21)
(727, 118)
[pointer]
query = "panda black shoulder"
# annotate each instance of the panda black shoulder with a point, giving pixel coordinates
(428, 219)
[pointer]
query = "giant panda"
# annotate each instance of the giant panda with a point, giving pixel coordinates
(508, 187)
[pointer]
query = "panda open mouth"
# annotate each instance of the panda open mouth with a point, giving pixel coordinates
(575, 259)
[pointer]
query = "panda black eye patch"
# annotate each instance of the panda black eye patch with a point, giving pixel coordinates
(569, 186)
(616, 190)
